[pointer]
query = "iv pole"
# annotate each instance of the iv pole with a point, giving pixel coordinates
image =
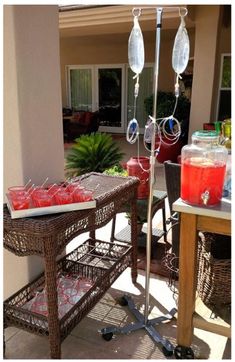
(143, 321)
(152, 163)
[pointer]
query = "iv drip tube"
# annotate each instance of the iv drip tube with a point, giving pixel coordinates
(152, 164)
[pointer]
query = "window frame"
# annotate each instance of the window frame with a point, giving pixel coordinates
(220, 88)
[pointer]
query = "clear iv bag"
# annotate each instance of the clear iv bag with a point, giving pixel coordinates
(180, 54)
(136, 48)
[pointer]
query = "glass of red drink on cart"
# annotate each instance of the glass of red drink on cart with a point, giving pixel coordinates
(52, 189)
(77, 194)
(87, 195)
(15, 191)
(36, 190)
(21, 201)
(72, 186)
(42, 198)
(63, 197)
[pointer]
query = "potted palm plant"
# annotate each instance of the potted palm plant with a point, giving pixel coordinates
(95, 152)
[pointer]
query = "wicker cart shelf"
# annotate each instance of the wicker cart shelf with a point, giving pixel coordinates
(48, 235)
(101, 262)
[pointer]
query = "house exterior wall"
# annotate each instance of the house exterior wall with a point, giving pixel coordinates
(33, 134)
(207, 55)
(105, 49)
(208, 39)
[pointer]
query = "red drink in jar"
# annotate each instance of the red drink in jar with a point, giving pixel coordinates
(200, 175)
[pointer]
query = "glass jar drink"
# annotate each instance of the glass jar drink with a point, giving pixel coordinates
(21, 202)
(63, 197)
(42, 198)
(15, 191)
(203, 166)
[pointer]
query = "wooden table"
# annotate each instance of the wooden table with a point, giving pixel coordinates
(215, 219)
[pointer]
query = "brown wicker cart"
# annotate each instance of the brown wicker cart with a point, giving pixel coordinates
(47, 236)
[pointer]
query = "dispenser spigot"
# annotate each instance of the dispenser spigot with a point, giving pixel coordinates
(205, 197)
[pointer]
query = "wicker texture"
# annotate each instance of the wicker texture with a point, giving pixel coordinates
(47, 236)
(214, 275)
(102, 262)
(29, 236)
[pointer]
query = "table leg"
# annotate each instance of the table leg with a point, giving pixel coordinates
(53, 320)
(113, 229)
(92, 234)
(187, 278)
(133, 206)
(164, 222)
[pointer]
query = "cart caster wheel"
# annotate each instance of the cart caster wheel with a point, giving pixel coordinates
(107, 336)
(123, 302)
(182, 352)
(166, 352)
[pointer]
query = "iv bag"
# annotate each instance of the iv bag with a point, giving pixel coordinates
(136, 48)
(180, 54)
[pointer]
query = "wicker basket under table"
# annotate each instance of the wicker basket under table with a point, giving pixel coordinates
(48, 235)
(214, 275)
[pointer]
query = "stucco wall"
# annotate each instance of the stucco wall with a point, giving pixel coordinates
(113, 49)
(207, 27)
(33, 134)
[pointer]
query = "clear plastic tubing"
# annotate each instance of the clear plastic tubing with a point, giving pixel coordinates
(180, 53)
(136, 48)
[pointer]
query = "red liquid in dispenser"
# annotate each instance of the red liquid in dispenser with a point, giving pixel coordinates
(199, 175)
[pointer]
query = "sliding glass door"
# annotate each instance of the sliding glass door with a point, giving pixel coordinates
(99, 88)
(109, 89)
(80, 95)
(145, 90)
(111, 97)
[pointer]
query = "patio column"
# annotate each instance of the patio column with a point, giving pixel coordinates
(33, 131)
(206, 38)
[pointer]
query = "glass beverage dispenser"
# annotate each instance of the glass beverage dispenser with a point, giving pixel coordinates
(203, 166)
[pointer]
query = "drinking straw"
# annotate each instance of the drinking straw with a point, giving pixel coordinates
(45, 181)
(55, 193)
(27, 183)
(75, 189)
(51, 187)
(28, 192)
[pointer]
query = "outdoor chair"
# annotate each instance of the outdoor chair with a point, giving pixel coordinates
(172, 177)
(82, 122)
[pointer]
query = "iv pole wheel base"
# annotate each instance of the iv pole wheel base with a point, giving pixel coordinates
(107, 336)
(182, 352)
(166, 352)
(122, 302)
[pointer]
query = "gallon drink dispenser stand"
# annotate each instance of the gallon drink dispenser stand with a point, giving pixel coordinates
(168, 127)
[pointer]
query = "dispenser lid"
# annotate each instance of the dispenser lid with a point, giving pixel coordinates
(204, 135)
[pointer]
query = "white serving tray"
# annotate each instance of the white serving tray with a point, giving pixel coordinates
(55, 209)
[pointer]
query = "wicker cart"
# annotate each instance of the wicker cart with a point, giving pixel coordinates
(101, 262)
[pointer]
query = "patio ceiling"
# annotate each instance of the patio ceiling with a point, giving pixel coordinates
(85, 21)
